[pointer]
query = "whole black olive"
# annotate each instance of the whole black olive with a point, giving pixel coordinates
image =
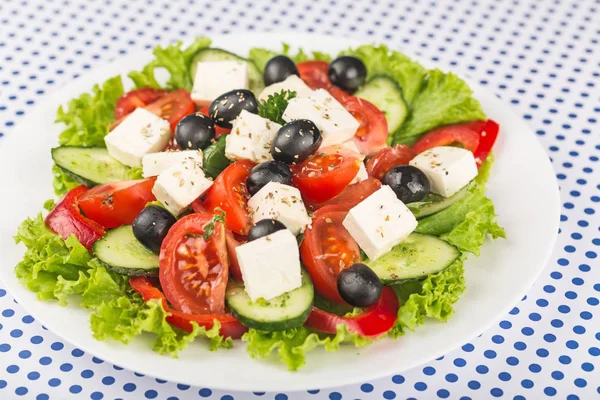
(270, 171)
(296, 141)
(152, 225)
(409, 183)
(228, 106)
(359, 286)
(278, 69)
(195, 131)
(265, 227)
(348, 73)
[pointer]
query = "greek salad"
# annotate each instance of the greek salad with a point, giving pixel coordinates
(289, 200)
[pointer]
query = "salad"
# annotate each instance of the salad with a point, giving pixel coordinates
(292, 201)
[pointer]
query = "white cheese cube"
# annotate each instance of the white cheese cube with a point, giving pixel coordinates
(292, 83)
(361, 175)
(270, 265)
(380, 222)
(250, 138)
(281, 202)
(154, 164)
(141, 133)
(213, 78)
(335, 123)
(178, 186)
(449, 169)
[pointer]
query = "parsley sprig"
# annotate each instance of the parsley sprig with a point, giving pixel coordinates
(275, 105)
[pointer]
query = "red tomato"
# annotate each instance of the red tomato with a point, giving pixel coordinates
(229, 193)
(230, 326)
(66, 220)
(327, 249)
(373, 322)
(388, 158)
(352, 194)
(338, 94)
(461, 134)
(115, 204)
(314, 74)
(219, 130)
(234, 265)
(137, 98)
(487, 137)
(325, 174)
(173, 107)
(372, 133)
(194, 270)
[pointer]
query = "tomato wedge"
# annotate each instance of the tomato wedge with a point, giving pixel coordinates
(115, 204)
(193, 268)
(234, 265)
(230, 326)
(352, 194)
(173, 107)
(66, 220)
(314, 74)
(487, 138)
(133, 99)
(327, 249)
(219, 130)
(372, 133)
(229, 193)
(373, 322)
(465, 135)
(388, 158)
(325, 174)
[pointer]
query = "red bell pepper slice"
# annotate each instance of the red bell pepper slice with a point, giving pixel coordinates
(487, 138)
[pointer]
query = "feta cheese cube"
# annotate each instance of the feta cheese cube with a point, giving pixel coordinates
(292, 83)
(335, 123)
(270, 265)
(141, 133)
(361, 175)
(213, 78)
(448, 168)
(178, 186)
(154, 164)
(281, 202)
(250, 138)
(380, 222)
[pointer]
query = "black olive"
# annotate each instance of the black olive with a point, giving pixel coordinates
(152, 225)
(195, 131)
(265, 227)
(348, 73)
(296, 141)
(409, 183)
(359, 286)
(270, 171)
(228, 106)
(278, 69)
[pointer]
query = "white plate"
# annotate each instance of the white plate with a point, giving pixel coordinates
(522, 186)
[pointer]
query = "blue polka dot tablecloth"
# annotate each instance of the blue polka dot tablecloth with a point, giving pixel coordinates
(541, 56)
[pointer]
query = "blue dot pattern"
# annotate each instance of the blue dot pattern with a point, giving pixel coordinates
(541, 57)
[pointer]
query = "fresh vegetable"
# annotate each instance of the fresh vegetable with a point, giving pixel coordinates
(388, 158)
(433, 203)
(487, 138)
(465, 135)
(264, 227)
(409, 183)
(278, 69)
(225, 108)
(359, 286)
(372, 133)
(232, 243)
(137, 98)
(173, 107)
(269, 171)
(347, 72)
(314, 74)
(275, 105)
(353, 194)
(385, 94)
(151, 226)
(195, 131)
(296, 141)
(214, 158)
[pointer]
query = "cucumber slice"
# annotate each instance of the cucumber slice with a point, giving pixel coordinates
(287, 311)
(255, 76)
(385, 93)
(433, 203)
(89, 165)
(121, 252)
(413, 259)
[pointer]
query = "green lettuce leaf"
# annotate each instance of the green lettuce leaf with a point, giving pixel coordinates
(62, 182)
(261, 56)
(88, 117)
(292, 345)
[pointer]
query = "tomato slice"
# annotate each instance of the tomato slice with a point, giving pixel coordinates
(388, 158)
(230, 194)
(193, 269)
(457, 134)
(115, 204)
(327, 249)
(230, 326)
(66, 220)
(373, 322)
(314, 74)
(234, 265)
(352, 194)
(173, 107)
(372, 133)
(325, 174)
(133, 99)
(487, 138)
(219, 130)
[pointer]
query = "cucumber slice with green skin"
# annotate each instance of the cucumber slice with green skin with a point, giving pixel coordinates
(385, 93)
(121, 252)
(90, 166)
(414, 259)
(287, 311)
(255, 76)
(433, 203)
